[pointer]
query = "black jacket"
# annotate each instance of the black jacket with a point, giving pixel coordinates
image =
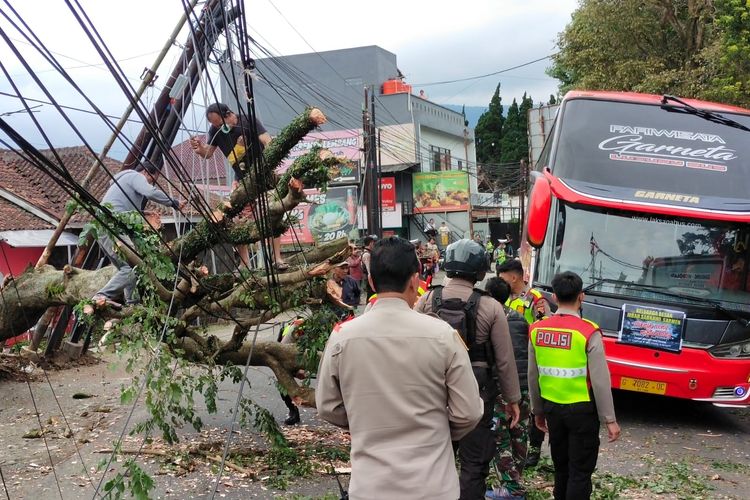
(519, 335)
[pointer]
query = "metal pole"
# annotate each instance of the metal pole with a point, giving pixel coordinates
(115, 134)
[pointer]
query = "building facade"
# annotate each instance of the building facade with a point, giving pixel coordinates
(426, 151)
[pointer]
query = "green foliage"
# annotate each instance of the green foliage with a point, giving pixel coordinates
(317, 328)
(691, 48)
(489, 130)
(133, 479)
(53, 290)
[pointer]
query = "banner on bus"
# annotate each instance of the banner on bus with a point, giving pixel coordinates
(446, 191)
(652, 327)
(331, 216)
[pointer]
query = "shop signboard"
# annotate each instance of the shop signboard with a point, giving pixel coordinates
(330, 216)
(446, 191)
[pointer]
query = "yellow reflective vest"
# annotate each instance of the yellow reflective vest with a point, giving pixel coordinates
(559, 344)
(525, 304)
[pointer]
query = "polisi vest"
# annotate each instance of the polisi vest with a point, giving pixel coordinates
(559, 343)
(525, 304)
(462, 316)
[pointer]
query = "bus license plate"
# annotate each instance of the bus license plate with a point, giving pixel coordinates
(640, 385)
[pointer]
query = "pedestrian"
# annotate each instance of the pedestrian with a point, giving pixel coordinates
(500, 256)
(430, 230)
(532, 305)
(226, 134)
(509, 246)
(402, 384)
(569, 385)
(445, 235)
(128, 193)
(368, 244)
(342, 290)
(482, 321)
(355, 264)
(512, 443)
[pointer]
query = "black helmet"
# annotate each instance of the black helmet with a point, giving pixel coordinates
(465, 259)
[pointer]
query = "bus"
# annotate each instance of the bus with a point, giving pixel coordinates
(647, 198)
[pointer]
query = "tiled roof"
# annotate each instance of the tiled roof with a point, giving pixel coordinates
(15, 218)
(25, 181)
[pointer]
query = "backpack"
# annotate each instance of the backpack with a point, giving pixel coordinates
(462, 317)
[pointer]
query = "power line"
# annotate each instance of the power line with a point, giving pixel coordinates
(445, 82)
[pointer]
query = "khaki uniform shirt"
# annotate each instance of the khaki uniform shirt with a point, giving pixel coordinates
(401, 382)
(492, 325)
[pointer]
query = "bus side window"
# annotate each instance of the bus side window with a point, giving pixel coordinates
(560, 233)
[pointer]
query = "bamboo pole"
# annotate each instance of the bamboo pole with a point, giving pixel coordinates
(115, 134)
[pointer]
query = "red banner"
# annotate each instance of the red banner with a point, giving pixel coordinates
(332, 215)
(388, 194)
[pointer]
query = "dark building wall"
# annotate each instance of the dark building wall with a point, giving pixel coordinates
(332, 80)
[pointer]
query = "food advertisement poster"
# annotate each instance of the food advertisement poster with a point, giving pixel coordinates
(652, 327)
(343, 143)
(440, 191)
(330, 216)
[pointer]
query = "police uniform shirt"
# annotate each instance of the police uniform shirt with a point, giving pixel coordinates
(491, 323)
(402, 383)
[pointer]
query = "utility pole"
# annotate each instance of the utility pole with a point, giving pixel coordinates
(375, 165)
(371, 186)
(524, 179)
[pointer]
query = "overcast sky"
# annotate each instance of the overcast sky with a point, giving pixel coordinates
(433, 40)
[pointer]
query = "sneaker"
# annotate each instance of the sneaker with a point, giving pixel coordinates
(501, 492)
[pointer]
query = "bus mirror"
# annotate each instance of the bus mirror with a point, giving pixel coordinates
(540, 203)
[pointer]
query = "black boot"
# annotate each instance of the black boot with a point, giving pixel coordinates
(293, 417)
(532, 458)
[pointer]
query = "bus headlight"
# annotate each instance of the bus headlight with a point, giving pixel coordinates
(739, 350)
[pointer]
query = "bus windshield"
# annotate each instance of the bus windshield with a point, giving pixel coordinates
(612, 249)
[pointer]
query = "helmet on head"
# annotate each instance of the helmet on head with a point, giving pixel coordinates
(465, 259)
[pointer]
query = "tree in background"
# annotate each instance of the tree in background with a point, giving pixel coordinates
(489, 130)
(692, 48)
(514, 144)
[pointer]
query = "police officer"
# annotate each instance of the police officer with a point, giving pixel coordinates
(569, 385)
(465, 264)
(532, 305)
(524, 299)
(402, 384)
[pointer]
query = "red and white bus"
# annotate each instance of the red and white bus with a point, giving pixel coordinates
(647, 198)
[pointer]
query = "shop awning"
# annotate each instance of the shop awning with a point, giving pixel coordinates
(389, 169)
(37, 238)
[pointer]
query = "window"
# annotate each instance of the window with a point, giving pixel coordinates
(460, 165)
(440, 159)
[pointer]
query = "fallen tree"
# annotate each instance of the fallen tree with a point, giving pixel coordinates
(176, 290)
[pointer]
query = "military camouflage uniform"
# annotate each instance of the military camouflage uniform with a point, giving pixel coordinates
(511, 444)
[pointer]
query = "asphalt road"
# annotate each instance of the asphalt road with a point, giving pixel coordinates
(701, 442)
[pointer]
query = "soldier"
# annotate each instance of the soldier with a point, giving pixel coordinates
(532, 305)
(510, 455)
(402, 383)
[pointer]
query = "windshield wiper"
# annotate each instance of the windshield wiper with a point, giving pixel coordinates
(711, 116)
(731, 313)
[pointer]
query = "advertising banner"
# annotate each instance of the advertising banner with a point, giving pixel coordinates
(331, 216)
(446, 191)
(652, 327)
(346, 143)
(388, 194)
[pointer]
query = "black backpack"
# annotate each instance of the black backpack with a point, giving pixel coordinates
(462, 316)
